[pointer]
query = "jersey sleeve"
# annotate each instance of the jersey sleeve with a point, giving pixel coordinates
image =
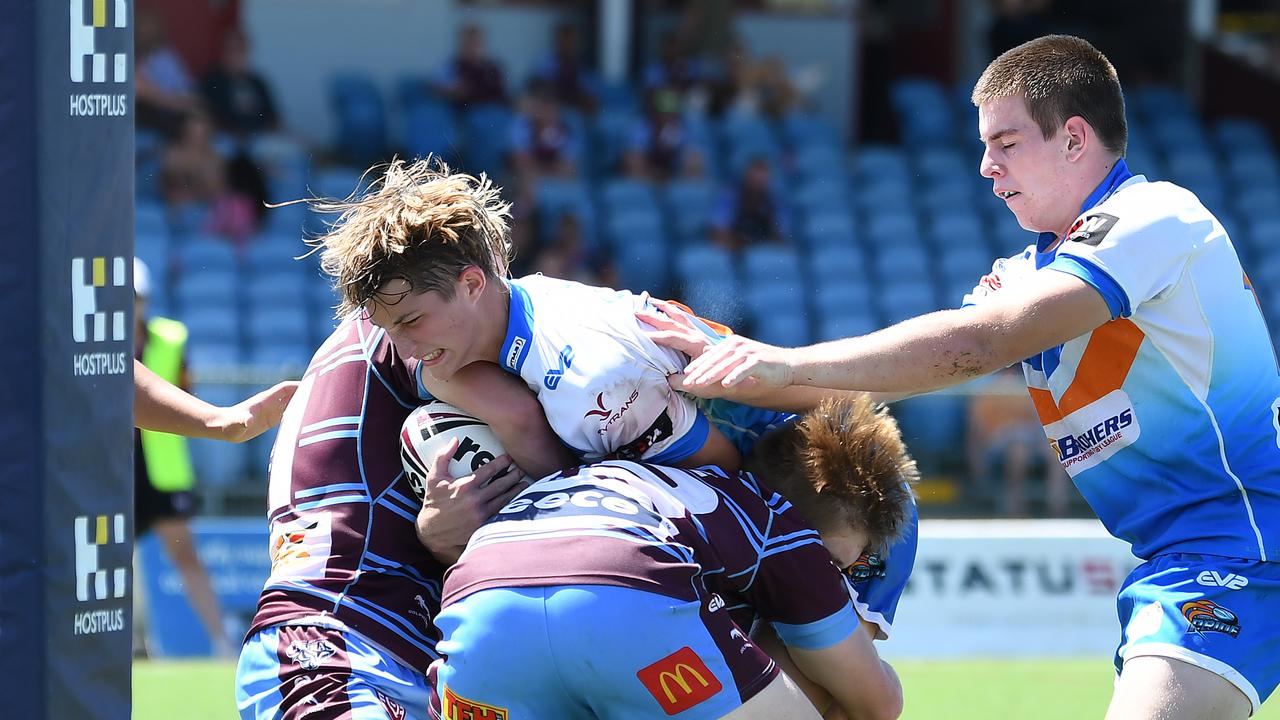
(1005, 272)
(779, 565)
(880, 578)
(1128, 256)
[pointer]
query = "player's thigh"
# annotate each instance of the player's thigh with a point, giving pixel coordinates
(782, 698)
(322, 674)
(1161, 688)
(1210, 622)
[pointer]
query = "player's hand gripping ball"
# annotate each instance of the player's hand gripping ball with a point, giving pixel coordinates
(430, 428)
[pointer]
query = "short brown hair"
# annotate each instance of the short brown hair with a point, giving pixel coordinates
(417, 222)
(842, 464)
(1060, 77)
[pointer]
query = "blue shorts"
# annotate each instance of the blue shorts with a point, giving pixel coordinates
(1221, 614)
(324, 674)
(593, 651)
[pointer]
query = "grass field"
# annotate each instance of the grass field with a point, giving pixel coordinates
(1040, 689)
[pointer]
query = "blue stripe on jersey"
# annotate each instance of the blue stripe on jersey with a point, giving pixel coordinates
(423, 393)
(822, 633)
(332, 501)
(335, 435)
(687, 445)
(364, 478)
(1107, 287)
(347, 420)
(383, 502)
(416, 637)
(385, 564)
(519, 340)
(399, 497)
(326, 489)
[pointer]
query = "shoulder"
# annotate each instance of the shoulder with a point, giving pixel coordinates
(1141, 208)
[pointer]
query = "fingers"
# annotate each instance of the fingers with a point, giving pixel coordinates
(440, 463)
(280, 394)
(712, 365)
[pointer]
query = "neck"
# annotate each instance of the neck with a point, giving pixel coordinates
(495, 304)
(1090, 180)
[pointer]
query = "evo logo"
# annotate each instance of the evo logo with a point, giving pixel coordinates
(1230, 581)
(552, 379)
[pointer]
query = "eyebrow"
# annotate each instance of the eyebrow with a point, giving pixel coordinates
(999, 134)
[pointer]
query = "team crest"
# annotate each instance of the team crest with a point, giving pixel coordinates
(310, 653)
(1205, 616)
(395, 710)
(1091, 228)
(868, 566)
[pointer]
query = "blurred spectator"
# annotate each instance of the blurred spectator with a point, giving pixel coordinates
(165, 91)
(471, 77)
(752, 213)
(567, 257)
(706, 27)
(237, 96)
(542, 143)
(749, 87)
(674, 69)
(659, 144)
(1006, 441)
(195, 186)
(563, 72)
(163, 474)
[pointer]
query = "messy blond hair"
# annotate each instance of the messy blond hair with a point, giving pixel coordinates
(418, 222)
(842, 464)
(1060, 77)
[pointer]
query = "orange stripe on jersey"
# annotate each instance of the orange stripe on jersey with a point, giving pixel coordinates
(724, 330)
(1105, 364)
(1046, 408)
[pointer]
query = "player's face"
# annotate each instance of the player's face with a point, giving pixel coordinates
(441, 333)
(1027, 171)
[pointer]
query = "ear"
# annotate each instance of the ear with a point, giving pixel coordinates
(1079, 136)
(472, 281)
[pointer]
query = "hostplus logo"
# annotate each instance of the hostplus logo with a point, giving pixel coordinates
(99, 36)
(96, 536)
(92, 293)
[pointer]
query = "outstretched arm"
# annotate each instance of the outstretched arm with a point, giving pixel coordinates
(161, 406)
(921, 354)
(674, 328)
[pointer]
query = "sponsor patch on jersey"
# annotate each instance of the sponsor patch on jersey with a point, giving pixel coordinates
(661, 429)
(309, 654)
(513, 355)
(679, 681)
(868, 566)
(1092, 228)
(301, 547)
(456, 707)
(1095, 432)
(1206, 616)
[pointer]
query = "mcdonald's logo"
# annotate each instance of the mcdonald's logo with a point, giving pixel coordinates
(679, 681)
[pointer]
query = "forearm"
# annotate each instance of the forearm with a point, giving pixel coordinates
(918, 355)
(162, 406)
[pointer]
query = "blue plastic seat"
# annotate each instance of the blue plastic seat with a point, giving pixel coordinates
(833, 227)
(361, 117)
(842, 296)
(624, 195)
(836, 263)
(774, 298)
(211, 323)
(689, 205)
(763, 264)
(711, 263)
(431, 129)
(906, 297)
(785, 329)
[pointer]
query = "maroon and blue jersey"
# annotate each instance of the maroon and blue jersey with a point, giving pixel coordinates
(344, 551)
(684, 534)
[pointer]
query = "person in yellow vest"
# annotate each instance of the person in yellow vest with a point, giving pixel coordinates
(163, 474)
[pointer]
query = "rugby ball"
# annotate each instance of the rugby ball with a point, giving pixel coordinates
(429, 428)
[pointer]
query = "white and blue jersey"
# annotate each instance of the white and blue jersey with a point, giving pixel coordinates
(1165, 417)
(601, 381)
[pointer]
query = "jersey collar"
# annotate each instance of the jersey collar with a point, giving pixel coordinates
(1112, 182)
(519, 340)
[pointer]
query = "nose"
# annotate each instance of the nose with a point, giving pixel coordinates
(988, 167)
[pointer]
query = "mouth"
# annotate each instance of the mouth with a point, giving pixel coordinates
(1006, 195)
(431, 357)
